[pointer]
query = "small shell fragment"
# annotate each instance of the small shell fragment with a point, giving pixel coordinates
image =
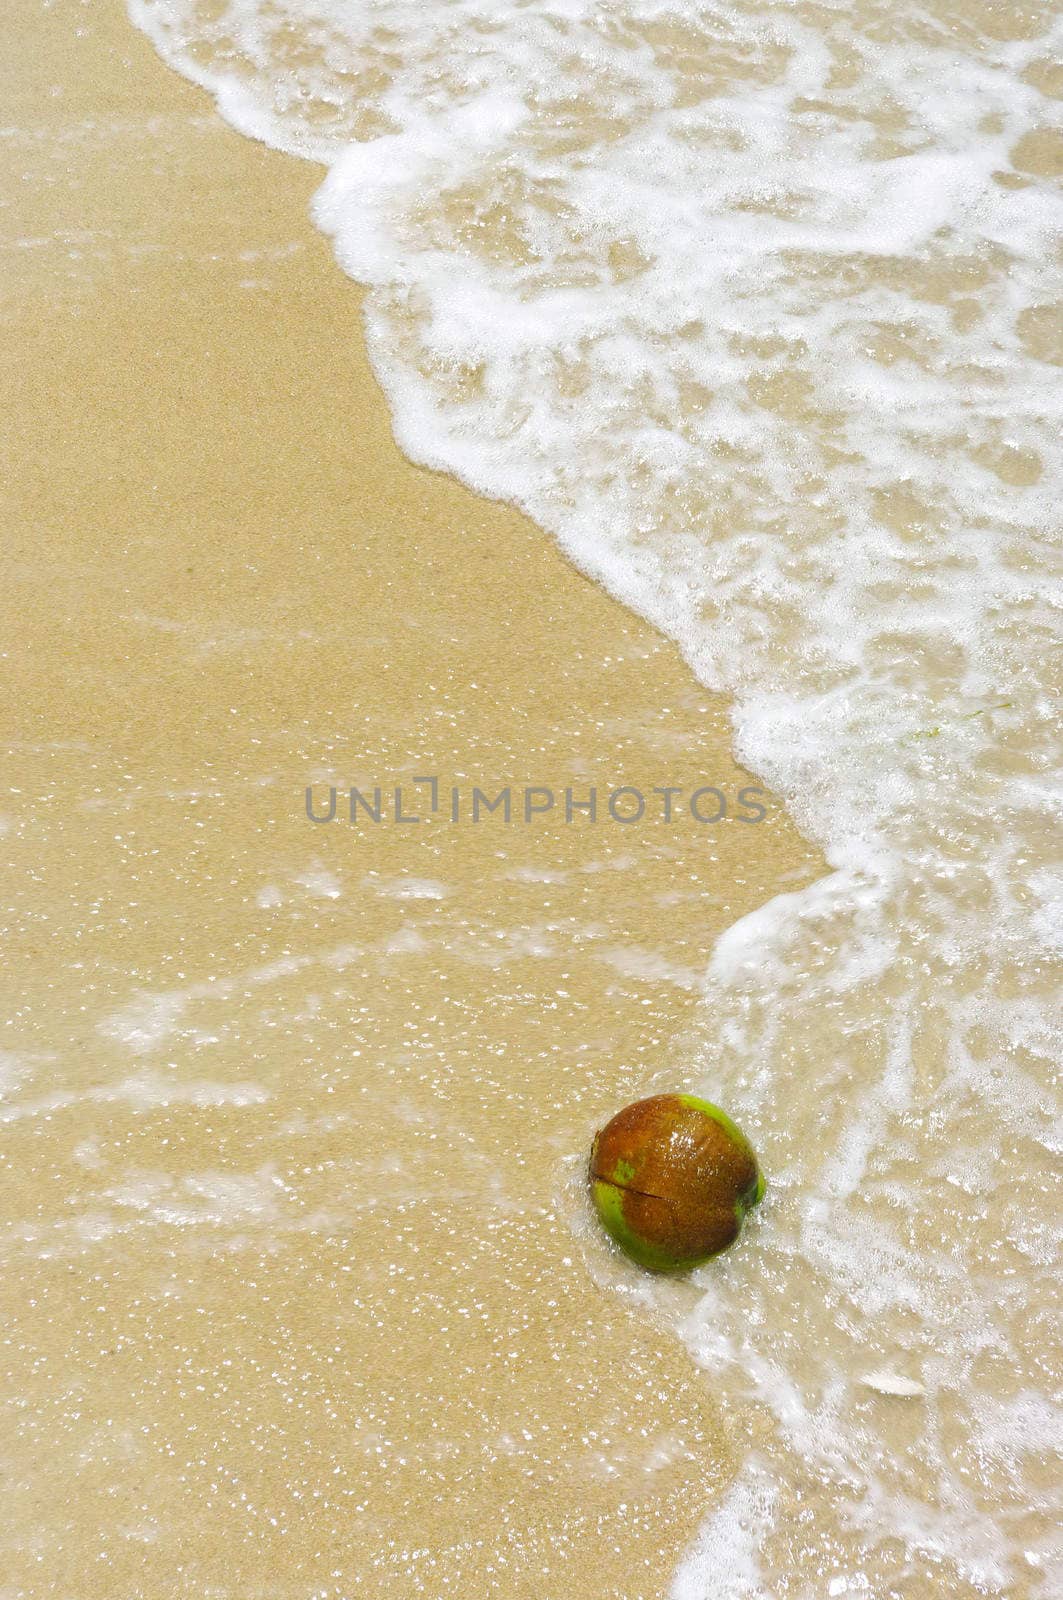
(892, 1383)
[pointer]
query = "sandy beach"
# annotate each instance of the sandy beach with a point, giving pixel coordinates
(300, 1298)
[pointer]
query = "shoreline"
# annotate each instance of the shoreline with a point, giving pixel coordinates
(290, 1105)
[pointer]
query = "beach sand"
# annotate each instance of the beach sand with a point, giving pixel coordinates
(301, 1296)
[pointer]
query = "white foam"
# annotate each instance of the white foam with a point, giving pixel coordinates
(319, 882)
(748, 304)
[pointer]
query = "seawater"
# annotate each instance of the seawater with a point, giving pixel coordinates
(756, 308)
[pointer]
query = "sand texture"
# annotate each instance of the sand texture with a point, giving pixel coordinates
(301, 1297)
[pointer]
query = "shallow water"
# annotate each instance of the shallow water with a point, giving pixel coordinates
(756, 310)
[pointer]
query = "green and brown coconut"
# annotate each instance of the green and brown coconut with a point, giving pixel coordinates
(672, 1178)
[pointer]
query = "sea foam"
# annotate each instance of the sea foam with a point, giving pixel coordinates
(755, 308)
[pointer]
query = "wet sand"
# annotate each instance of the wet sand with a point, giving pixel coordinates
(301, 1296)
